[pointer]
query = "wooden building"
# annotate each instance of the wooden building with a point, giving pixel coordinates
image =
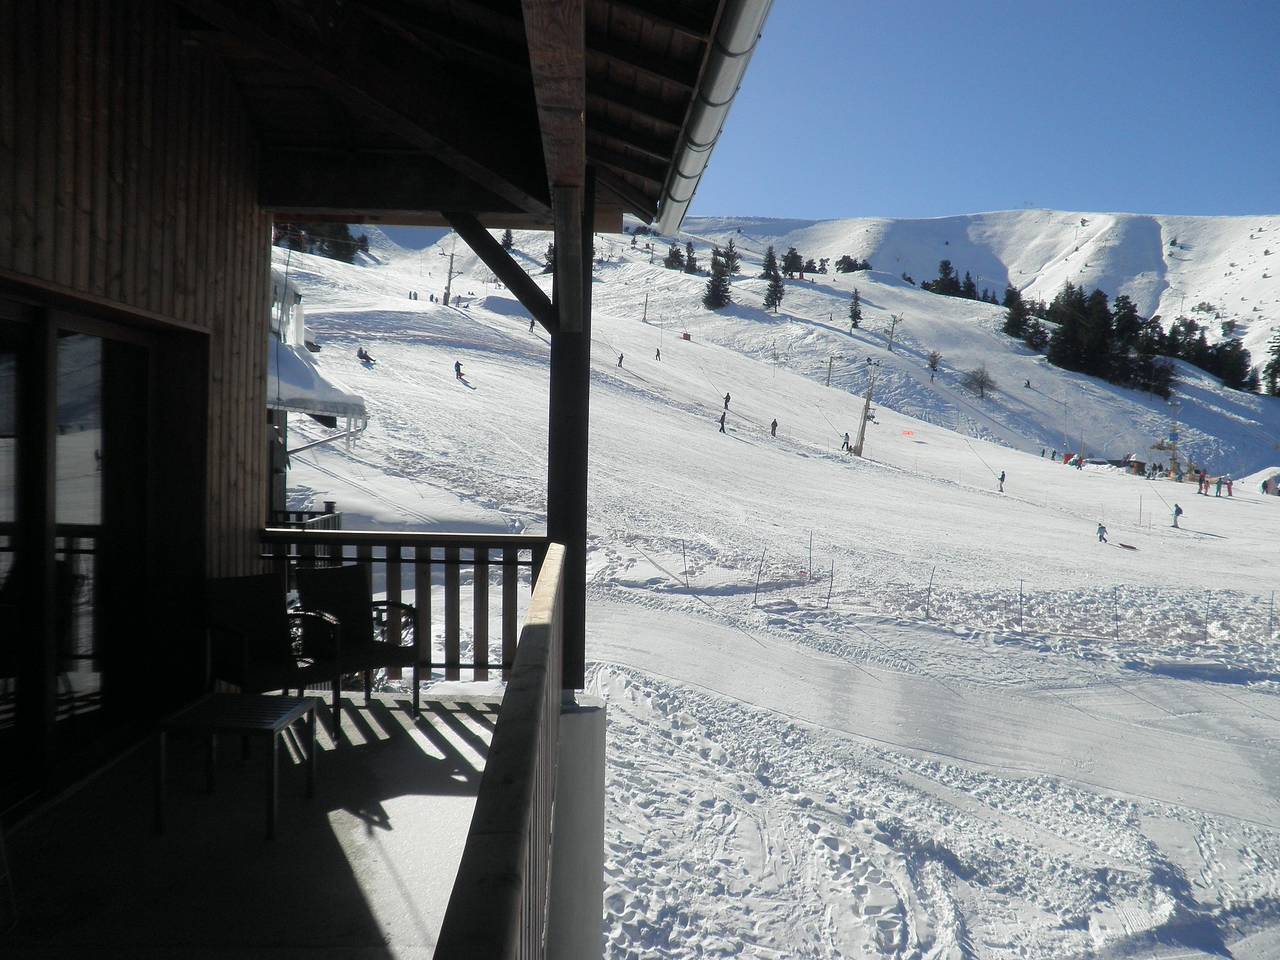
(145, 148)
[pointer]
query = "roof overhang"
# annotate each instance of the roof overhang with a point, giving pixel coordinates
(394, 111)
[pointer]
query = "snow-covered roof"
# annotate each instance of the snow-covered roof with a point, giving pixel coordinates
(295, 384)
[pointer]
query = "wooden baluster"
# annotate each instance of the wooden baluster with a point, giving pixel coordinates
(480, 615)
(452, 646)
(394, 631)
(510, 581)
(422, 610)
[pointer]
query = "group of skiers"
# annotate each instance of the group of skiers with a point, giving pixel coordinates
(1203, 481)
(363, 356)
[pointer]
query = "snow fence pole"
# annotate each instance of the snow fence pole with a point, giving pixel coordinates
(685, 560)
(1021, 629)
(1207, 595)
(928, 597)
(830, 584)
(1271, 615)
(809, 571)
(1115, 611)
(759, 571)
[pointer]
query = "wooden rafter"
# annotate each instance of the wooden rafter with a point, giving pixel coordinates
(673, 17)
(648, 109)
(299, 181)
(633, 199)
(657, 148)
(683, 76)
(374, 70)
(637, 166)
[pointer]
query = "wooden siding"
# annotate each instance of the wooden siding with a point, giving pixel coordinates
(128, 174)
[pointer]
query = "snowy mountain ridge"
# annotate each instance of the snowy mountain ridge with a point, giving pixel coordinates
(1167, 265)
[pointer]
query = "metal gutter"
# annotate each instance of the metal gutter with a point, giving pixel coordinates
(731, 49)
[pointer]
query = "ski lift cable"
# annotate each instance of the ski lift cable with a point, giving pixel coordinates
(979, 456)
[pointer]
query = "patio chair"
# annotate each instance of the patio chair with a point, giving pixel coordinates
(376, 634)
(259, 645)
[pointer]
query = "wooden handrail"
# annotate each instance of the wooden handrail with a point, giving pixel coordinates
(379, 538)
(498, 907)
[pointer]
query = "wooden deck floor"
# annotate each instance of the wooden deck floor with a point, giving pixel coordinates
(364, 869)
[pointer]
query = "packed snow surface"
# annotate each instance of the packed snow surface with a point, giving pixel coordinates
(860, 707)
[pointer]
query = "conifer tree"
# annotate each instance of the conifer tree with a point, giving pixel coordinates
(674, 260)
(717, 292)
(732, 259)
(855, 311)
(549, 264)
(846, 264)
(508, 241)
(1016, 315)
(769, 269)
(690, 260)
(792, 263)
(774, 294)
(1271, 372)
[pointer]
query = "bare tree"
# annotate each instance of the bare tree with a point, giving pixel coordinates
(894, 320)
(933, 360)
(979, 380)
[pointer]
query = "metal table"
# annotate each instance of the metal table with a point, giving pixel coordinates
(247, 715)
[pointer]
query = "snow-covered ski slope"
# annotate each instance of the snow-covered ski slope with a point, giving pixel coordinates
(1167, 264)
(1073, 756)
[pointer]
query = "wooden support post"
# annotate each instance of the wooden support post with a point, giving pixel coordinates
(567, 439)
(573, 250)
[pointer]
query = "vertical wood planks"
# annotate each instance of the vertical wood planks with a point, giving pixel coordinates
(128, 170)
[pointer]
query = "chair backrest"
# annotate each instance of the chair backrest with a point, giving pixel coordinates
(253, 607)
(346, 593)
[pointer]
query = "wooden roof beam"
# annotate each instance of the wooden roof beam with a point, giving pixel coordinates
(656, 112)
(301, 181)
(635, 200)
(661, 149)
(555, 32)
(377, 72)
(673, 17)
(683, 76)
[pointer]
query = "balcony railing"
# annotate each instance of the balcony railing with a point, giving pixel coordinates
(409, 563)
(498, 908)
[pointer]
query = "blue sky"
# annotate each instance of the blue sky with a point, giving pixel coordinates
(917, 108)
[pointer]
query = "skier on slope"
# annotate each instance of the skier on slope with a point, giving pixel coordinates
(657, 354)
(1000, 481)
(1217, 488)
(726, 401)
(457, 369)
(773, 428)
(1177, 512)
(619, 360)
(844, 444)
(1102, 533)
(722, 422)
